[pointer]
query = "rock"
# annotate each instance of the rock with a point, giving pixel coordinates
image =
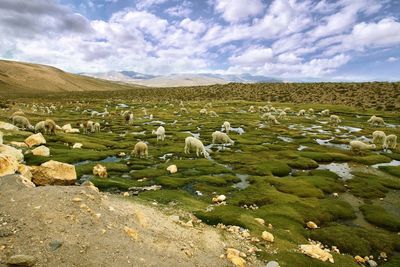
(90, 185)
(121, 154)
(172, 169)
(100, 170)
(359, 259)
(272, 264)
(41, 151)
(219, 199)
(18, 144)
(383, 255)
(77, 145)
(8, 126)
(54, 173)
(73, 130)
(55, 244)
(267, 236)
(12, 151)
(312, 225)
(234, 256)
(25, 171)
(174, 218)
(316, 252)
(8, 164)
(131, 232)
(372, 263)
(66, 127)
(35, 140)
(126, 194)
(260, 221)
(15, 182)
(22, 260)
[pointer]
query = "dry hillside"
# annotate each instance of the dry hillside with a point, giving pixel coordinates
(26, 77)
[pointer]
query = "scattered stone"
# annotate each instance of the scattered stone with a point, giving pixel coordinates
(359, 259)
(314, 251)
(55, 244)
(219, 199)
(100, 170)
(372, 263)
(90, 185)
(260, 221)
(77, 199)
(19, 144)
(25, 171)
(267, 236)
(77, 146)
(121, 154)
(172, 169)
(174, 218)
(131, 232)
(270, 226)
(35, 139)
(8, 164)
(41, 151)
(272, 264)
(383, 255)
(54, 173)
(312, 225)
(126, 194)
(234, 256)
(66, 127)
(22, 260)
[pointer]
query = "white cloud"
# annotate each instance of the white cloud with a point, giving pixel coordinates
(392, 59)
(181, 10)
(193, 26)
(254, 56)
(145, 4)
(238, 10)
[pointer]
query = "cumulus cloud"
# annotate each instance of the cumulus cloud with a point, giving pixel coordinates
(238, 10)
(288, 38)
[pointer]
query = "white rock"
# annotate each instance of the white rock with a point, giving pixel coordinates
(272, 264)
(35, 139)
(77, 145)
(73, 130)
(316, 252)
(18, 144)
(312, 225)
(66, 127)
(41, 151)
(12, 151)
(219, 198)
(54, 173)
(267, 236)
(172, 169)
(8, 126)
(8, 164)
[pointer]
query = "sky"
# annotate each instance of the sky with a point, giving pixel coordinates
(349, 40)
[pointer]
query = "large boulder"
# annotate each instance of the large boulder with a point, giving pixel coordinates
(8, 164)
(25, 171)
(35, 140)
(12, 151)
(18, 144)
(41, 151)
(8, 126)
(54, 173)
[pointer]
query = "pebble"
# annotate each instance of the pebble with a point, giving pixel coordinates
(372, 263)
(54, 245)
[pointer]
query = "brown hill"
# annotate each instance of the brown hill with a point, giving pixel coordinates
(19, 77)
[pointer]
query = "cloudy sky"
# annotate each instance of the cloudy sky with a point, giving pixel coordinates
(329, 40)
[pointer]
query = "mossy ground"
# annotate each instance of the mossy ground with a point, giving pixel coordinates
(280, 163)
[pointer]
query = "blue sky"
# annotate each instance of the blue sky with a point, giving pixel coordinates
(349, 40)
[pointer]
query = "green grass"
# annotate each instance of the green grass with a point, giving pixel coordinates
(380, 217)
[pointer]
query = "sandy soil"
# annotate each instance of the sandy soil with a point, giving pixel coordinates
(77, 226)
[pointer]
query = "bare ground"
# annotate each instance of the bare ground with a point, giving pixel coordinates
(77, 226)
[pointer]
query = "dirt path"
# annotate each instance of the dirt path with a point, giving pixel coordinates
(77, 226)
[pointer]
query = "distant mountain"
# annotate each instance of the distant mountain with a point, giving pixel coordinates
(30, 78)
(179, 79)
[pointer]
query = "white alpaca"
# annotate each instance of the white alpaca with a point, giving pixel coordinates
(282, 115)
(325, 112)
(374, 120)
(359, 147)
(335, 120)
(221, 138)
(391, 141)
(302, 112)
(379, 138)
(160, 132)
(96, 127)
(194, 143)
(226, 126)
(203, 111)
(141, 150)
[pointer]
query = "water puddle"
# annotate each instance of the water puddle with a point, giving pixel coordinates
(238, 130)
(350, 129)
(327, 142)
(343, 170)
(196, 135)
(392, 163)
(355, 203)
(286, 139)
(108, 159)
(139, 133)
(301, 147)
(243, 184)
(122, 106)
(155, 122)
